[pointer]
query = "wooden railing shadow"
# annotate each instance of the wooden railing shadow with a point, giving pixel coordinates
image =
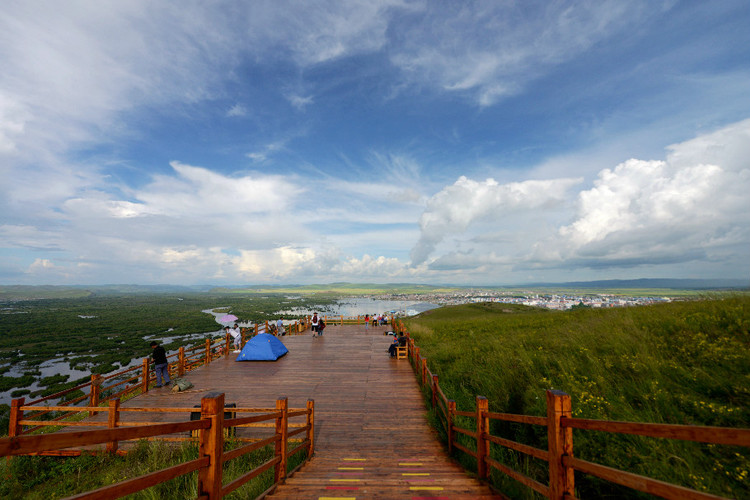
(560, 423)
(211, 428)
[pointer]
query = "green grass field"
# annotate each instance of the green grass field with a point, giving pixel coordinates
(681, 363)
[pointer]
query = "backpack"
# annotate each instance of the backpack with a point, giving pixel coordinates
(180, 384)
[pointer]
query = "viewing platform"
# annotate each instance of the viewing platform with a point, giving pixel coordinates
(372, 438)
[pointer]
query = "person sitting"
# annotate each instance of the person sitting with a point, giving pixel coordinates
(392, 348)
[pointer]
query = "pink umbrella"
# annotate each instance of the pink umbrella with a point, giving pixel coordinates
(227, 318)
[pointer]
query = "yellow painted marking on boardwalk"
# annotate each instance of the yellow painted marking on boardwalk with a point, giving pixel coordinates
(415, 473)
(410, 463)
(431, 488)
(351, 468)
(345, 480)
(355, 460)
(337, 498)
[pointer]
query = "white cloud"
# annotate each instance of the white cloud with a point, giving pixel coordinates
(299, 102)
(691, 206)
(237, 110)
(266, 151)
(466, 202)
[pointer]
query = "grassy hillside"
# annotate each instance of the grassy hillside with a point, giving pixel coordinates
(682, 363)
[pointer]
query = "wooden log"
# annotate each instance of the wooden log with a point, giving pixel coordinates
(434, 390)
(636, 482)
(144, 375)
(112, 421)
(181, 369)
(22, 445)
(560, 442)
(119, 490)
(483, 447)
(451, 412)
(281, 429)
(211, 446)
(16, 415)
(96, 382)
(311, 427)
(701, 434)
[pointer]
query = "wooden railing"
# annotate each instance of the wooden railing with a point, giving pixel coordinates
(559, 453)
(124, 383)
(210, 436)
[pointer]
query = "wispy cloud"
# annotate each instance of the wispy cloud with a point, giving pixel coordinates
(237, 110)
(493, 50)
(299, 102)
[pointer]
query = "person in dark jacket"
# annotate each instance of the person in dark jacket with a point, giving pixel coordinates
(161, 365)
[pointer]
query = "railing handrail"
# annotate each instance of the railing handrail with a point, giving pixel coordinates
(560, 425)
(209, 464)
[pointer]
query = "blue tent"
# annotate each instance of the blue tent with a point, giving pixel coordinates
(262, 347)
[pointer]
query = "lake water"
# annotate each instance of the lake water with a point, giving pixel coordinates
(359, 306)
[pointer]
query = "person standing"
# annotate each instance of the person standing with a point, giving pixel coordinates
(280, 328)
(367, 321)
(161, 365)
(236, 337)
(314, 324)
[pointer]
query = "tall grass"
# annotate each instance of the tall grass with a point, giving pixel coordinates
(44, 478)
(681, 363)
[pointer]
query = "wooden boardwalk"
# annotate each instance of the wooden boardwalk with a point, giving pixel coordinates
(372, 439)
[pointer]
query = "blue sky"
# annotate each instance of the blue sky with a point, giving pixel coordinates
(475, 143)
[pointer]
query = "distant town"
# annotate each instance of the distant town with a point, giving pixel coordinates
(558, 301)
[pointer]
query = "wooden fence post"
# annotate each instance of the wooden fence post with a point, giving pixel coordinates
(208, 352)
(144, 375)
(226, 345)
(112, 422)
(483, 448)
(560, 439)
(451, 411)
(181, 365)
(255, 329)
(279, 472)
(211, 446)
(415, 360)
(311, 427)
(16, 415)
(434, 390)
(424, 371)
(96, 382)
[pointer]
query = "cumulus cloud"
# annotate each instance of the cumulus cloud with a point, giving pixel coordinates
(692, 205)
(467, 202)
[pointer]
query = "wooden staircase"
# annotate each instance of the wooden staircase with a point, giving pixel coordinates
(356, 476)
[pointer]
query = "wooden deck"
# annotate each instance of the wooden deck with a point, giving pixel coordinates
(371, 436)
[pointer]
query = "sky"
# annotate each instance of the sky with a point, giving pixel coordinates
(373, 141)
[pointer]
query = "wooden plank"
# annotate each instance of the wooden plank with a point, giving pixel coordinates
(26, 444)
(121, 489)
(522, 419)
(640, 483)
(701, 434)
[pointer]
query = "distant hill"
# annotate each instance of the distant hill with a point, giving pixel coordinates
(25, 292)
(677, 284)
